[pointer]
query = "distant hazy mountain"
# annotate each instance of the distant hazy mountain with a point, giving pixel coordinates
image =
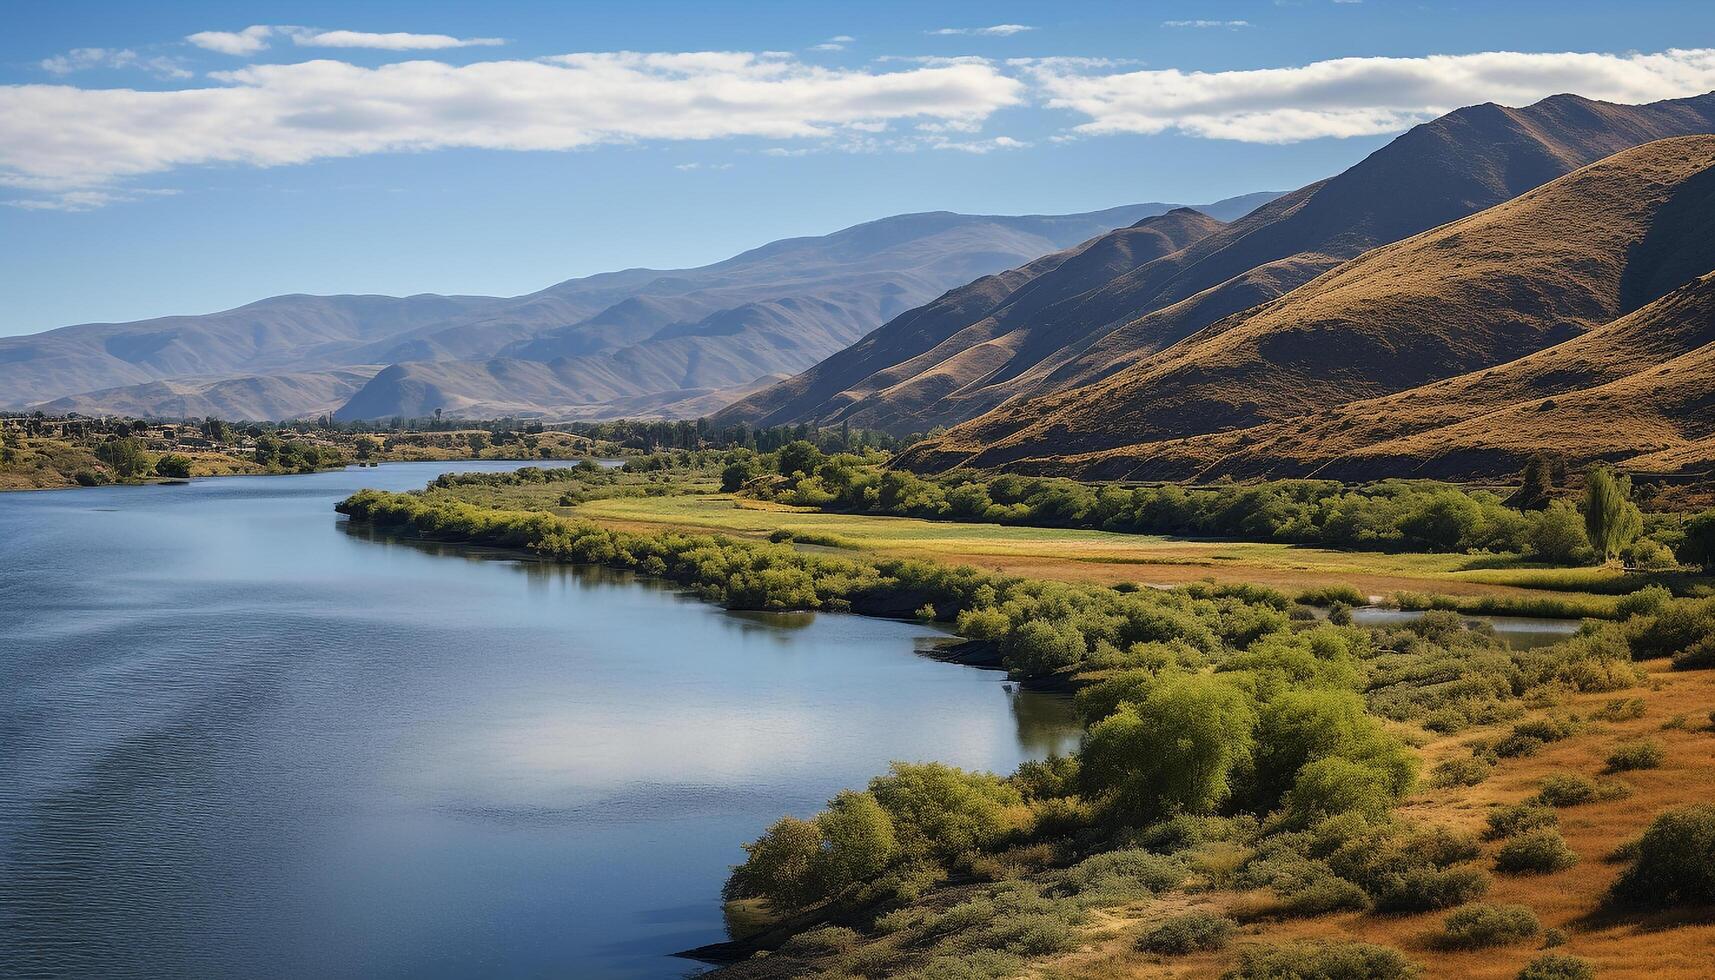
(1055, 326)
(271, 396)
(1577, 319)
(642, 338)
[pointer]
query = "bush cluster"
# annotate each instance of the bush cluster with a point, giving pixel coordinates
(1673, 863)
(1480, 926)
(1394, 514)
(1539, 851)
(1193, 932)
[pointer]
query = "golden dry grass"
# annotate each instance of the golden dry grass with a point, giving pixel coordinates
(1662, 946)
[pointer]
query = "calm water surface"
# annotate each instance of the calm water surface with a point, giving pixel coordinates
(238, 738)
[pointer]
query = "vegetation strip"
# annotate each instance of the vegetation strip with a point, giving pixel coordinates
(1232, 749)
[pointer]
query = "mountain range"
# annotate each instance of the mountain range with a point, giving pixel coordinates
(636, 342)
(1457, 352)
(1058, 324)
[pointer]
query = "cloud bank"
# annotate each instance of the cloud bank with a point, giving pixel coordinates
(257, 36)
(71, 147)
(1359, 96)
(62, 138)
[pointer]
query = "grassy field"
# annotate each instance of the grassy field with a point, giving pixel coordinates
(1101, 556)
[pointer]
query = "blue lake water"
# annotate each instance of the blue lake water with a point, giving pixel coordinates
(239, 738)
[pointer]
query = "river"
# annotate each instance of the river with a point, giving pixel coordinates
(240, 738)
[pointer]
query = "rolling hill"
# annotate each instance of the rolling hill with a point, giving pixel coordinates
(1573, 319)
(1052, 326)
(658, 336)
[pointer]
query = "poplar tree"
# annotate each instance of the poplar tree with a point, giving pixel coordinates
(1610, 517)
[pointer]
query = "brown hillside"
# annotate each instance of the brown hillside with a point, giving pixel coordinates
(922, 357)
(901, 379)
(1556, 263)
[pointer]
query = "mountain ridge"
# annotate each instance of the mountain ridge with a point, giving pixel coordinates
(1412, 340)
(870, 270)
(1439, 171)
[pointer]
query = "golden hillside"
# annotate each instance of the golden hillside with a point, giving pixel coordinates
(1552, 266)
(1070, 325)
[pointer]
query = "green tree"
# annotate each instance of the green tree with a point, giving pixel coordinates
(1558, 536)
(1698, 548)
(1178, 750)
(1610, 518)
(780, 866)
(741, 468)
(858, 841)
(1538, 485)
(940, 812)
(799, 456)
(125, 456)
(174, 465)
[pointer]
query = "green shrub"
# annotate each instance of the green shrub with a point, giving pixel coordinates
(1566, 789)
(1559, 537)
(1322, 895)
(1557, 966)
(983, 964)
(1132, 871)
(1673, 862)
(1329, 595)
(1176, 751)
(1675, 629)
(825, 941)
(1192, 932)
(939, 812)
(1332, 961)
(1572, 789)
(1517, 745)
(1646, 601)
(1547, 729)
(1697, 656)
(1467, 771)
(1041, 647)
(1422, 889)
(1540, 851)
(1332, 786)
(1481, 926)
(1639, 754)
(173, 465)
(1698, 546)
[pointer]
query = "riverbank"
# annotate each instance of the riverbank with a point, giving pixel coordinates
(1493, 725)
(101, 457)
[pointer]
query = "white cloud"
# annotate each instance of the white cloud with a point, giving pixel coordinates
(395, 41)
(1205, 23)
(997, 30)
(62, 138)
(83, 59)
(702, 166)
(256, 37)
(827, 46)
(248, 41)
(1359, 96)
(981, 146)
(841, 39)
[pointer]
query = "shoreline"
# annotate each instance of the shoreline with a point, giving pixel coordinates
(185, 481)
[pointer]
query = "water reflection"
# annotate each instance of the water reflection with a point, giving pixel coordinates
(239, 737)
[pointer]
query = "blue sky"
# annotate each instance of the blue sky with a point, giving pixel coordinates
(324, 150)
